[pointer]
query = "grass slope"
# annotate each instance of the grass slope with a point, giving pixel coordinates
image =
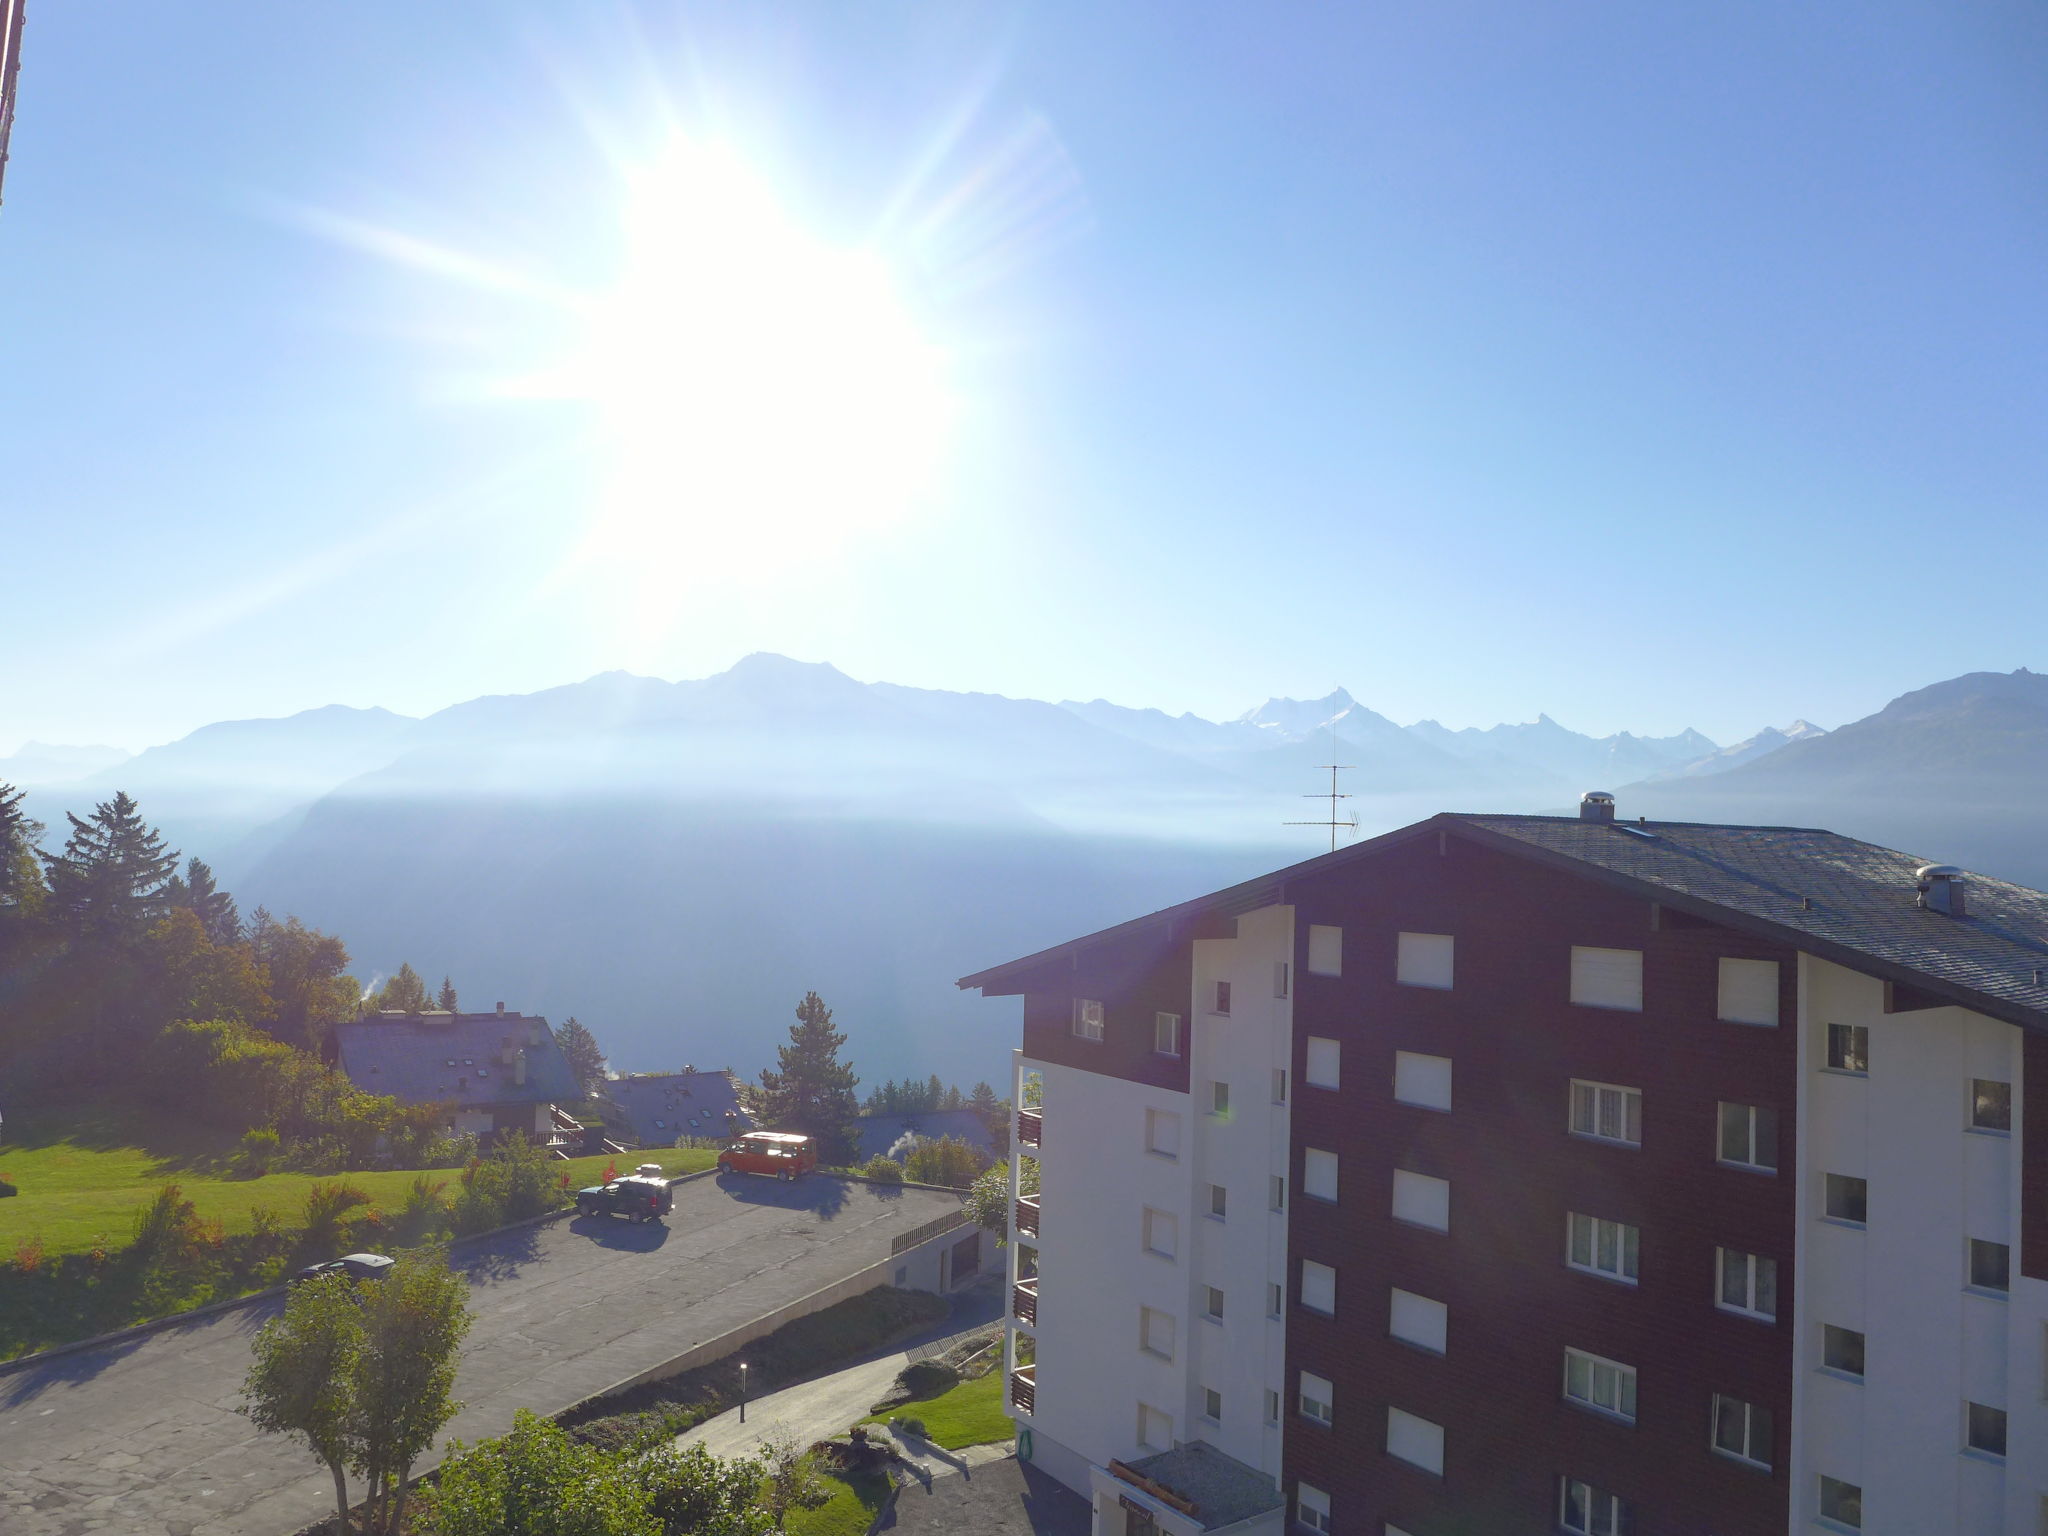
(851, 1510)
(972, 1413)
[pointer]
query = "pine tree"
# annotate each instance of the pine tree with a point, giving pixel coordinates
(21, 882)
(446, 1000)
(813, 1092)
(934, 1094)
(584, 1055)
(107, 886)
(405, 992)
(214, 907)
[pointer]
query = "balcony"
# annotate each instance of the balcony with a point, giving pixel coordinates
(1027, 1215)
(1024, 1302)
(1024, 1389)
(1030, 1127)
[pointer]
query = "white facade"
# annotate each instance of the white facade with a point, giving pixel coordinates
(1137, 1247)
(1932, 1343)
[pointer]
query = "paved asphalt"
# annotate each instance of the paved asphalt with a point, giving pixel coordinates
(1003, 1497)
(142, 1436)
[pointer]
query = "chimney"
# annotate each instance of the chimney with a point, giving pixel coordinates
(1940, 888)
(1596, 805)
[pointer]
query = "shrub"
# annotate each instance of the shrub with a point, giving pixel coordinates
(166, 1228)
(948, 1161)
(327, 1208)
(28, 1258)
(258, 1151)
(426, 1213)
(882, 1169)
(988, 1198)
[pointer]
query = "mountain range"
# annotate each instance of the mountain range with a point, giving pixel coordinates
(677, 862)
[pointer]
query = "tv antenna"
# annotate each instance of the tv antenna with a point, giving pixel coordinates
(1333, 795)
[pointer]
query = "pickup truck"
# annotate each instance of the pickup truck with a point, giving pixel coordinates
(643, 1195)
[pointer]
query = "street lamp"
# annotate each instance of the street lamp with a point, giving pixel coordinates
(743, 1391)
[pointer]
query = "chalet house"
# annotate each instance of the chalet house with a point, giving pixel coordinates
(878, 1133)
(1543, 1174)
(661, 1107)
(496, 1071)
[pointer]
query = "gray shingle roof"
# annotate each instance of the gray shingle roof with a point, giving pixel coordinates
(455, 1058)
(1835, 896)
(661, 1106)
(1223, 1489)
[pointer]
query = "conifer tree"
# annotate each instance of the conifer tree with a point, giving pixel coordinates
(813, 1090)
(446, 1000)
(21, 882)
(583, 1054)
(215, 908)
(107, 886)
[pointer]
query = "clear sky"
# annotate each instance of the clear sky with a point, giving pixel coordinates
(1652, 366)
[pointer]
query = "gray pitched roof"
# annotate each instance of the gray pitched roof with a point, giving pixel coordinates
(878, 1133)
(661, 1106)
(457, 1058)
(1835, 896)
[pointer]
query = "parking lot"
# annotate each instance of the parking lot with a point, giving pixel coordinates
(142, 1436)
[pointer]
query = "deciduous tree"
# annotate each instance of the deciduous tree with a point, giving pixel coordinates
(302, 1382)
(414, 1320)
(811, 1089)
(405, 992)
(306, 972)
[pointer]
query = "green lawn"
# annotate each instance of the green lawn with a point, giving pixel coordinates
(972, 1413)
(77, 1192)
(850, 1512)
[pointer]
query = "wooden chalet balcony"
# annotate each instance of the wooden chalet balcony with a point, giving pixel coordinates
(1024, 1302)
(1027, 1215)
(1024, 1389)
(1030, 1126)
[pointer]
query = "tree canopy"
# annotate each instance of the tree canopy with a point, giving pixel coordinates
(811, 1090)
(583, 1054)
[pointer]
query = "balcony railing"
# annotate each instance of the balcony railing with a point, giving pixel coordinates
(1027, 1215)
(1024, 1302)
(1024, 1389)
(1030, 1126)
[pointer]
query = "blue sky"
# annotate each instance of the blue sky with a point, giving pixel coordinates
(1649, 366)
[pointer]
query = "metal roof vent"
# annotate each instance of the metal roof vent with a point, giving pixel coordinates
(1596, 805)
(1941, 889)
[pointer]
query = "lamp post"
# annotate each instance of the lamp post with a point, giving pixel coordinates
(743, 1391)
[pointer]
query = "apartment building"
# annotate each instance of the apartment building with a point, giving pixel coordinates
(1543, 1174)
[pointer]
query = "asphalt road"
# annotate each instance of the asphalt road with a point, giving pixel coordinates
(142, 1436)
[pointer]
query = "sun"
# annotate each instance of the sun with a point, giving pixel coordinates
(757, 391)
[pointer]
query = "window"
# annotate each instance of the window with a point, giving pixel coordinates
(1222, 997)
(1162, 1233)
(1316, 1398)
(1849, 1047)
(1990, 1265)
(1847, 1198)
(1213, 1298)
(1749, 1283)
(1276, 1298)
(1749, 992)
(1601, 1247)
(1272, 1406)
(1602, 1384)
(1155, 1429)
(1984, 1429)
(1312, 1507)
(1606, 1112)
(1088, 1018)
(1276, 1192)
(1423, 1080)
(1318, 1287)
(1279, 978)
(1212, 1405)
(1423, 960)
(1422, 1200)
(1749, 1136)
(1162, 1132)
(1219, 1201)
(1319, 1173)
(1742, 1430)
(1279, 1085)
(1607, 978)
(1587, 1511)
(1324, 1057)
(1418, 1320)
(1841, 1502)
(1416, 1441)
(1219, 1098)
(1166, 1033)
(1325, 950)
(1155, 1332)
(1841, 1349)
(1990, 1105)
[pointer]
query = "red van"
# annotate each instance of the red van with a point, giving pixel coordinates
(775, 1152)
